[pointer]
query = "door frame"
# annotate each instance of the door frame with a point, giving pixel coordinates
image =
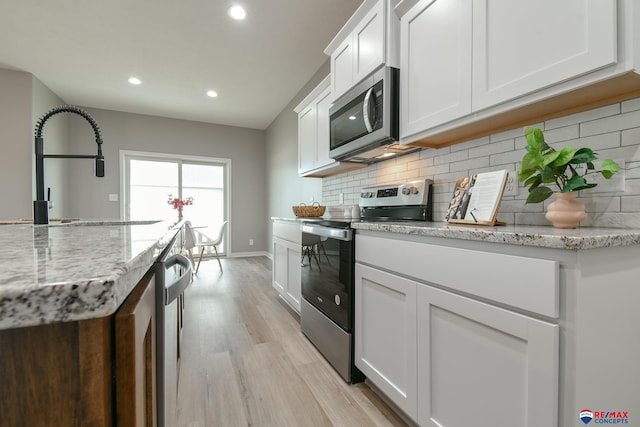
(125, 154)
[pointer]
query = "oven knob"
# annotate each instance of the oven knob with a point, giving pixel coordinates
(405, 191)
(414, 190)
(337, 299)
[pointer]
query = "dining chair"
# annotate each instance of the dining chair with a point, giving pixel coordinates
(309, 243)
(192, 242)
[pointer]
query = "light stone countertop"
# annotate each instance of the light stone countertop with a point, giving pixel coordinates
(522, 235)
(74, 271)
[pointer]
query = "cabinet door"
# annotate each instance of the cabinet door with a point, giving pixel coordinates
(435, 64)
(385, 334)
(323, 102)
(480, 362)
(521, 46)
(342, 68)
(294, 276)
(287, 272)
(368, 43)
(279, 266)
(307, 138)
(135, 357)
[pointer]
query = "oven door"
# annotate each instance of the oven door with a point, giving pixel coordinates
(328, 272)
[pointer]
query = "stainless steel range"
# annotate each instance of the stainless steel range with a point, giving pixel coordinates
(327, 306)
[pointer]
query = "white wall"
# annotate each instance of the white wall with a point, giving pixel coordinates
(125, 131)
(285, 187)
(23, 100)
(16, 145)
(612, 131)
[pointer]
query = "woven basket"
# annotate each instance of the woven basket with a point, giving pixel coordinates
(314, 210)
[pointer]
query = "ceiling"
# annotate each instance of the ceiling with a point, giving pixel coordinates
(85, 50)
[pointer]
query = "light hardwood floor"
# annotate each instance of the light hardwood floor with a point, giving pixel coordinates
(246, 363)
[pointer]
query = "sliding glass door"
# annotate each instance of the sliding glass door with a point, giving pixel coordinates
(151, 179)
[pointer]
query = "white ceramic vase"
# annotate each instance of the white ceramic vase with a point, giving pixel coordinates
(565, 211)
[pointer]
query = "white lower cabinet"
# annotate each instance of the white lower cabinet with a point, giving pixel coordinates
(286, 270)
(447, 358)
(480, 362)
(385, 338)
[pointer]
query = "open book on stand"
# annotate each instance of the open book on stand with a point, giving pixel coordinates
(476, 199)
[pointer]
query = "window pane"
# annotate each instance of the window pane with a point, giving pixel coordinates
(202, 176)
(151, 182)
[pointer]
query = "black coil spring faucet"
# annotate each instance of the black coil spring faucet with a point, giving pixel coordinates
(41, 206)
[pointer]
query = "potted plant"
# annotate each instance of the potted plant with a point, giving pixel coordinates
(546, 171)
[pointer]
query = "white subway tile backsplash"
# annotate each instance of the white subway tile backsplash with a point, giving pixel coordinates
(479, 162)
(619, 122)
(585, 116)
(507, 158)
(565, 133)
(451, 157)
(494, 148)
(631, 136)
(432, 152)
(631, 105)
(597, 142)
(631, 204)
(613, 131)
(510, 134)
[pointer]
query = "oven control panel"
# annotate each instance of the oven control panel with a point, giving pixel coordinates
(407, 194)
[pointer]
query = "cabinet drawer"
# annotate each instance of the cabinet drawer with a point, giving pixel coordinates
(288, 231)
(527, 283)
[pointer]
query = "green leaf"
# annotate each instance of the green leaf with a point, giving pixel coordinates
(550, 158)
(576, 183)
(548, 175)
(525, 174)
(608, 168)
(535, 139)
(590, 166)
(539, 194)
(529, 163)
(533, 181)
(565, 156)
(583, 155)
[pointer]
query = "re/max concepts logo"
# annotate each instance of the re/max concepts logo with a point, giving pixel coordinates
(604, 417)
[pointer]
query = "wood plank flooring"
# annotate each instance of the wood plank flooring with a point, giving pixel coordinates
(246, 363)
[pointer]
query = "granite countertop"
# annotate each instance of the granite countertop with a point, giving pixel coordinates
(75, 271)
(522, 235)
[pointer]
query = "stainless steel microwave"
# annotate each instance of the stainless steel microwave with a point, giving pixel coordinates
(364, 124)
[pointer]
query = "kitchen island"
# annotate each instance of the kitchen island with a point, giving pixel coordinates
(72, 300)
(514, 325)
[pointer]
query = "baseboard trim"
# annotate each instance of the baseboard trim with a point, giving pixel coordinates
(248, 254)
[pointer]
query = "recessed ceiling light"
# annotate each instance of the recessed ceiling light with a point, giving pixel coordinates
(212, 93)
(134, 80)
(237, 12)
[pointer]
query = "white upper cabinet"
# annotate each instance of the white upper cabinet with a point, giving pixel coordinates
(522, 46)
(313, 129)
(435, 75)
(313, 135)
(475, 67)
(366, 41)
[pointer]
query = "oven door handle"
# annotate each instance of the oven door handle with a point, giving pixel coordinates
(333, 233)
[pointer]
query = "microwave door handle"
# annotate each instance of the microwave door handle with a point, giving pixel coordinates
(365, 110)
